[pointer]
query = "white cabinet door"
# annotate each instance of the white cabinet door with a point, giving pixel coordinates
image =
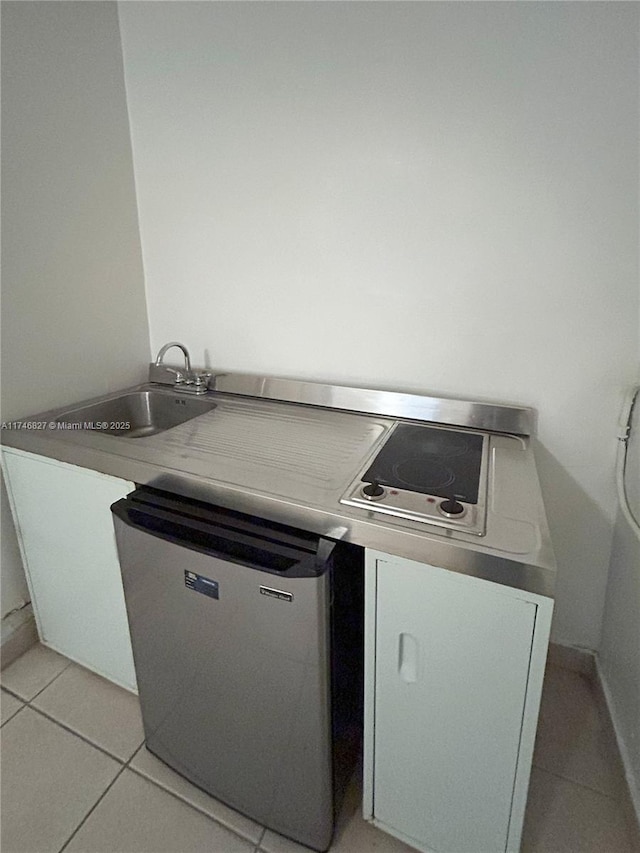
(66, 535)
(450, 669)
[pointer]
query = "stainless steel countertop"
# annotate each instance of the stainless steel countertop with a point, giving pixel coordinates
(291, 463)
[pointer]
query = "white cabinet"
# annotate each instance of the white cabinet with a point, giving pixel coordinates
(66, 537)
(454, 668)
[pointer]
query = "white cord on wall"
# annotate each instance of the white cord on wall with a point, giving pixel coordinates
(621, 459)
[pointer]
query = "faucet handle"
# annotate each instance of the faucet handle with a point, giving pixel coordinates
(179, 376)
(200, 377)
(198, 382)
(165, 375)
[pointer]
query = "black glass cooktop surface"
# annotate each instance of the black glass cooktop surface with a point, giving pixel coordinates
(431, 461)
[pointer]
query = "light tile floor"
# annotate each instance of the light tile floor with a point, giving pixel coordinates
(76, 777)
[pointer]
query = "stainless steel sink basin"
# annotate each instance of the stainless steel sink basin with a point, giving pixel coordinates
(136, 414)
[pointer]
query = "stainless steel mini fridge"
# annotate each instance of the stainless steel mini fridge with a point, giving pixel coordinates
(247, 641)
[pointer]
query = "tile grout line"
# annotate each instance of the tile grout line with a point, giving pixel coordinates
(127, 765)
(55, 678)
(17, 711)
(65, 726)
(93, 808)
(124, 766)
(579, 784)
(201, 811)
(80, 736)
(12, 717)
(42, 689)
(15, 695)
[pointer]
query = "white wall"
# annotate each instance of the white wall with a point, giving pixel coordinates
(74, 318)
(620, 644)
(430, 196)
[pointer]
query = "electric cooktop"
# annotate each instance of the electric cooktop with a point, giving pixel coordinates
(431, 474)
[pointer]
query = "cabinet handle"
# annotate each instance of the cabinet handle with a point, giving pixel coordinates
(408, 658)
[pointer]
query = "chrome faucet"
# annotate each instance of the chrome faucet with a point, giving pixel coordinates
(187, 361)
(195, 382)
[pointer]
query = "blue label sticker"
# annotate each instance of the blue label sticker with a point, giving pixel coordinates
(198, 583)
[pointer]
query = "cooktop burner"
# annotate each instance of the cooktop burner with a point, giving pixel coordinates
(429, 460)
(427, 473)
(419, 475)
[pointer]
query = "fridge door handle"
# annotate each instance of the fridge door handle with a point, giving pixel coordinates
(408, 657)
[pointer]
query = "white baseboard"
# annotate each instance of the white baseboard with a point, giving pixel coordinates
(575, 658)
(19, 633)
(633, 783)
(587, 663)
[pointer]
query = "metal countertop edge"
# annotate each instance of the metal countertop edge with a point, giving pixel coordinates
(469, 558)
